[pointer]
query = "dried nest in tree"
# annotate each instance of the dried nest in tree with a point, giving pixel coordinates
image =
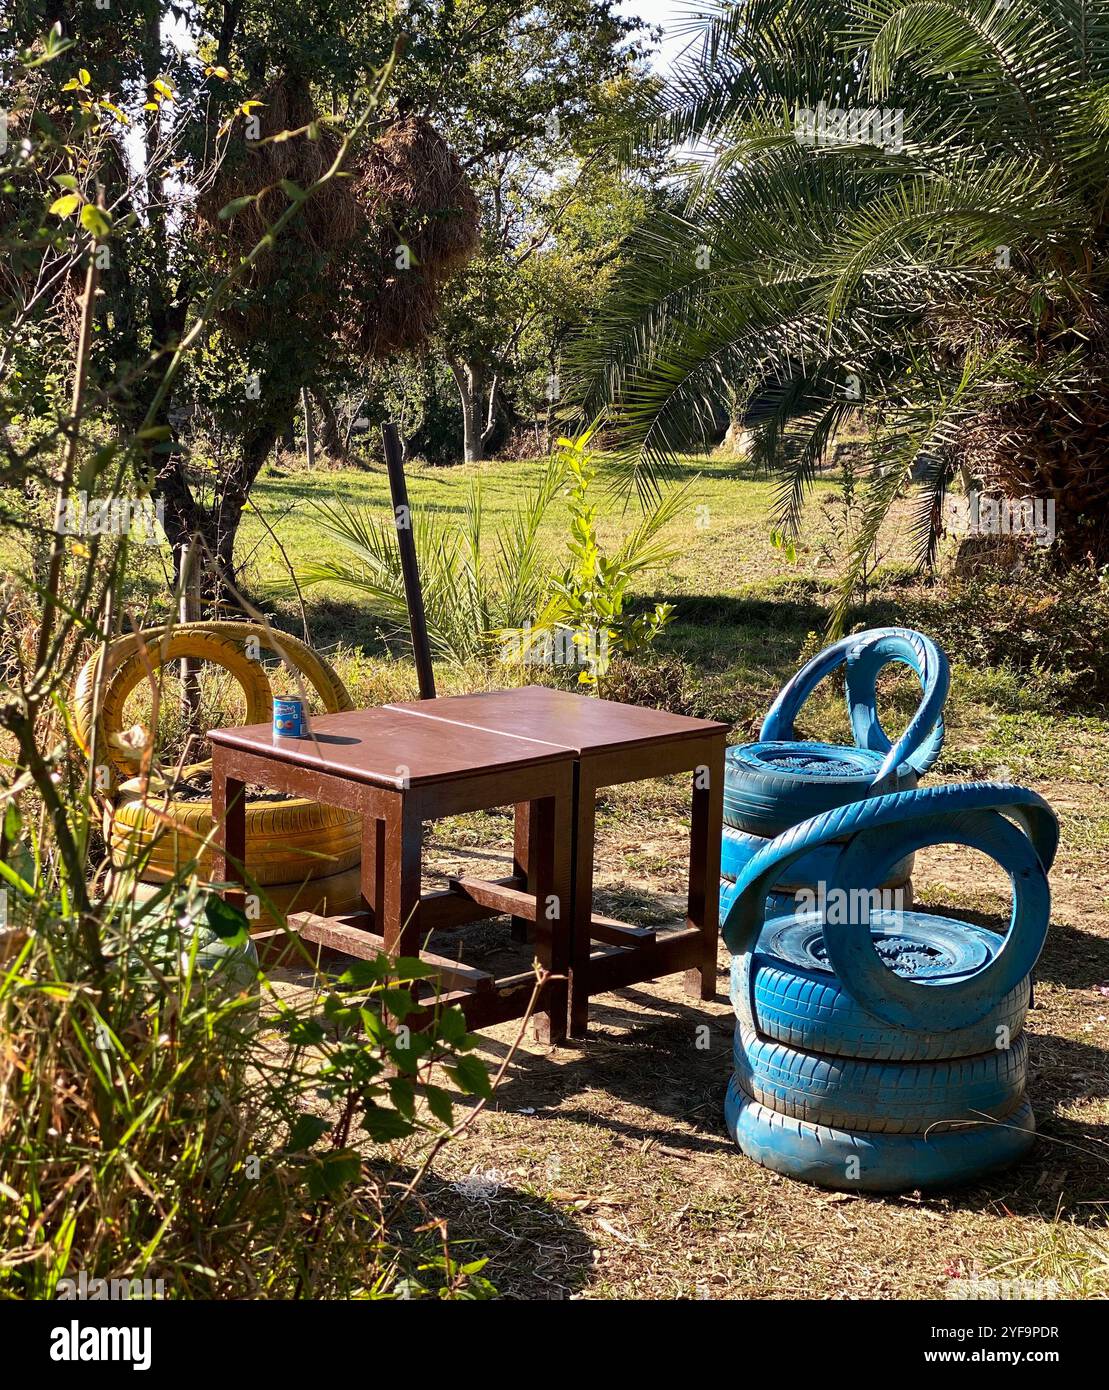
(426, 223)
(339, 269)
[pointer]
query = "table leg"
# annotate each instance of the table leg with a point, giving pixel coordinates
(229, 839)
(551, 827)
(400, 895)
(585, 809)
(526, 836)
(703, 910)
(373, 866)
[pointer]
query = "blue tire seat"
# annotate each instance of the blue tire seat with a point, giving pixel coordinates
(934, 1006)
(882, 1097)
(779, 781)
(858, 1161)
(738, 848)
(769, 786)
(786, 991)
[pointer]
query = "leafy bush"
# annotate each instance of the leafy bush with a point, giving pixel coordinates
(658, 681)
(585, 606)
(152, 1128)
(1051, 628)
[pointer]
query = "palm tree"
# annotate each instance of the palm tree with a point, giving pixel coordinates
(893, 206)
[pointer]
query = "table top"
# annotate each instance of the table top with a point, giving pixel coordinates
(582, 723)
(425, 741)
(389, 747)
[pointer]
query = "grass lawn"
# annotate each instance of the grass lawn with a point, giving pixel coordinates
(603, 1169)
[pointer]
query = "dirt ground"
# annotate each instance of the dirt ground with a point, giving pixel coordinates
(602, 1168)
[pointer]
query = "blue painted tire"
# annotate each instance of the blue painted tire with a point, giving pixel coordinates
(880, 1097)
(934, 815)
(770, 787)
(777, 904)
(739, 847)
(856, 1162)
(786, 991)
(864, 655)
(786, 904)
(963, 1000)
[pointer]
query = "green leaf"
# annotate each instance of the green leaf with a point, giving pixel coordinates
(235, 206)
(333, 1171)
(403, 1095)
(440, 1104)
(65, 206)
(452, 1026)
(367, 972)
(411, 968)
(305, 1131)
(377, 1031)
(292, 191)
(383, 1126)
(65, 181)
(399, 1003)
(472, 1077)
(95, 221)
(224, 919)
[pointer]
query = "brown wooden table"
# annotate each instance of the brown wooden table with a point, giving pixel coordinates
(397, 771)
(612, 743)
(547, 752)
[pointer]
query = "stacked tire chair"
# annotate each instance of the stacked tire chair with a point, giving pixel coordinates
(779, 781)
(301, 856)
(887, 1054)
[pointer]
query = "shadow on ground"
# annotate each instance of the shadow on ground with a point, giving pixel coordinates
(536, 1249)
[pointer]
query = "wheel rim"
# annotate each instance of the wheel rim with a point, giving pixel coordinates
(910, 944)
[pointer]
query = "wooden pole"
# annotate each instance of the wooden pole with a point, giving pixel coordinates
(402, 517)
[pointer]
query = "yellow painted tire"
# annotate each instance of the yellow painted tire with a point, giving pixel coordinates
(330, 896)
(133, 670)
(319, 672)
(288, 841)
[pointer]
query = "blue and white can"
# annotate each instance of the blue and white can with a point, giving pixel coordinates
(289, 718)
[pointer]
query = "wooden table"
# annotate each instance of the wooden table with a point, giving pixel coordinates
(613, 743)
(547, 752)
(397, 771)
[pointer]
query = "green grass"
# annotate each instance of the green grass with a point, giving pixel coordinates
(746, 615)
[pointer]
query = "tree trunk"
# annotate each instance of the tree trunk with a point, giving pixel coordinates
(309, 428)
(467, 378)
(183, 518)
(470, 380)
(331, 436)
(218, 526)
(223, 521)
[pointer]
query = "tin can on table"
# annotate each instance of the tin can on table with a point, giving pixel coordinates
(289, 718)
